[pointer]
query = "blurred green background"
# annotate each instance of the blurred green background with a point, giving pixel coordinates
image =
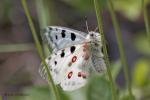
(19, 61)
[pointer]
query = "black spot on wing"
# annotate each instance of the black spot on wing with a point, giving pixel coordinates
(50, 28)
(63, 33)
(72, 49)
(55, 62)
(73, 36)
(56, 37)
(62, 53)
(49, 58)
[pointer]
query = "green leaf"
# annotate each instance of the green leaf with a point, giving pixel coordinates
(141, 43)
(123, 95)
(140, 73)
(41, 93)
(84, 5)
(129, 8)
(116, 67)
(63, 95)
(99, 89)
(1, 98)
(16, 47)
(38, 93)
(127, 98)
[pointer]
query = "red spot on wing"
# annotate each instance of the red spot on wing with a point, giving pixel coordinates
(74, 58)
(84, 76)
(79, 74)
(70, 74)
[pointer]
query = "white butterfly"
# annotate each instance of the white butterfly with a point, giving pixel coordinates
(75, 54)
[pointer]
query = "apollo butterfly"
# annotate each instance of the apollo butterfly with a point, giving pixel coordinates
(74, 55)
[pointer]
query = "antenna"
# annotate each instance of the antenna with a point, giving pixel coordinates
(86, 23)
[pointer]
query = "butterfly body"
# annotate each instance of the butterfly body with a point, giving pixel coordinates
(74, 54)
(96, 53)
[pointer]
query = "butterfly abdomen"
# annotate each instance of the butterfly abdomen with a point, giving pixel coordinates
(98, 63)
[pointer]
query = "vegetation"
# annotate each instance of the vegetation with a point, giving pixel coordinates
(123, 25)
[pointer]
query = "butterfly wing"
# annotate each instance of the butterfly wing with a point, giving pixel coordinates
(74, 78)
(57, 64)
(77, 74)
(60, 37)
(64, 61)
(54, 68)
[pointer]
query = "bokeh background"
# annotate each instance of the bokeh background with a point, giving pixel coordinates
(19, 61)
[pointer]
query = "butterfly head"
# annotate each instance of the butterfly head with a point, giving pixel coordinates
(94, 36)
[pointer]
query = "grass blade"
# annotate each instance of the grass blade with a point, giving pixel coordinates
(39, 48)
(147, 26)
(100, 23)
(120, 45)
(5, 48)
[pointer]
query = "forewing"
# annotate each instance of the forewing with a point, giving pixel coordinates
(60, 37)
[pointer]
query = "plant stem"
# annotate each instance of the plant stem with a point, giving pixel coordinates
(120, 45)
(100, 26)
(39, 48)
(16, 47)
(46, 13)
(147, 25)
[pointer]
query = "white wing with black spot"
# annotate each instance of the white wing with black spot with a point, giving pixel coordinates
(68, 67)
(60, 37)
(57, 63)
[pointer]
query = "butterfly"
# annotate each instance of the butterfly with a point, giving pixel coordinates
(75, 55)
